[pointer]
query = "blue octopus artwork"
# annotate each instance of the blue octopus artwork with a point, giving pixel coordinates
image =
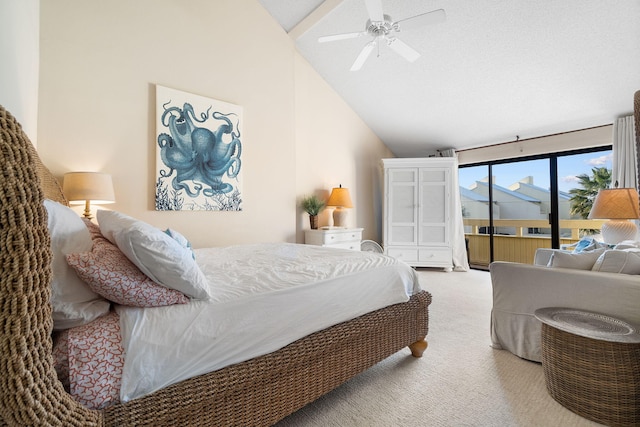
(199, 154)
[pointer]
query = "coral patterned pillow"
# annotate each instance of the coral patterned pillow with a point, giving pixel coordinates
(109, 273)
(94, 229)
(96, 360)
(61, 357)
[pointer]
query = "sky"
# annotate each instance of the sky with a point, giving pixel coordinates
(568, 168)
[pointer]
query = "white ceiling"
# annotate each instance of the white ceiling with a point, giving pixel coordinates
(494, 70)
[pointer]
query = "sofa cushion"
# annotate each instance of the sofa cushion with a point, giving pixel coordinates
(619, 261)
(627, 244)
(577, 261)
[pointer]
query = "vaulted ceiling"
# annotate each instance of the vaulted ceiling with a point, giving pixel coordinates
(491, 71)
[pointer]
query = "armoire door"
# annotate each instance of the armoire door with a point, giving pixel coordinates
(402, 225)
(434, 205)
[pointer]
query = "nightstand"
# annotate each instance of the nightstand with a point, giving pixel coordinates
(343, 238)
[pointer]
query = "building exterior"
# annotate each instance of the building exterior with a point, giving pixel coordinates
(521, 200)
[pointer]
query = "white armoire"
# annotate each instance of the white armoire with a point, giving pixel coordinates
(418, 208)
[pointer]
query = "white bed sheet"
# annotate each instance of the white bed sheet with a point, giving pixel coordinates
(264, 297)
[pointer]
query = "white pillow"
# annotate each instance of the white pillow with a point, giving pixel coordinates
(576, 261)
(619, 261)
(73, 302)
(155, 253)
(180, 239)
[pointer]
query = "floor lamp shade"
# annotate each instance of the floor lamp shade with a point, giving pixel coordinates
(618, 205)
(87, 187)
(341, 200)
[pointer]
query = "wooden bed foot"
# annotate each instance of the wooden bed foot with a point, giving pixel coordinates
(418, 347)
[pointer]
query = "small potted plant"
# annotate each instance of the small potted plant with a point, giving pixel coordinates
(312, 205)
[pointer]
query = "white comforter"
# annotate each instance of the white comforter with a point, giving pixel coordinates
(265, 296)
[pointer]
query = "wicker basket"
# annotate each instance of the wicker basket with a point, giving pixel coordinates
(596, 379)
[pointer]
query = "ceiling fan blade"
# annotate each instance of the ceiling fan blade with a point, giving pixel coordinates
(374, 7)
(362, 57)
(344, 36)
(403, 49)
(419, 21)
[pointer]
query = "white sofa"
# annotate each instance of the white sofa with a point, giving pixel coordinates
(520, 289)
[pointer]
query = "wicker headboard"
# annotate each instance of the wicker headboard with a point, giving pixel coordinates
(49, 184)
(30, 393)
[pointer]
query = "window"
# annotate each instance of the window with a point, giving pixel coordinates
(512, 207)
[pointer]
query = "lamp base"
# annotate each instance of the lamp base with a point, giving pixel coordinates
(615, 231)
(339, 217)
(87, 209)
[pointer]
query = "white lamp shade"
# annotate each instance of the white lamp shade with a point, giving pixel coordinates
(79, 187)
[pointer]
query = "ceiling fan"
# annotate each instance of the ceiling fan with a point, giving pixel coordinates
(383, 29)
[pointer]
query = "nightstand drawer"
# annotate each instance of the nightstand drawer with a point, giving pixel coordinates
(343, 238)
(354, 245)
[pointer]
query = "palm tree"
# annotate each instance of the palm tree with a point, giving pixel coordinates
(582, 198)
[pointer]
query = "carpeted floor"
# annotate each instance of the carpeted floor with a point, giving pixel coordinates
(460, 380)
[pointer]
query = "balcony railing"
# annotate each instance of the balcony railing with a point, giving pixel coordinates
(521, 245)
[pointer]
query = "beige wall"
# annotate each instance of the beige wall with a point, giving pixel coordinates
(334, 147)
(100, 62)
(19, 37)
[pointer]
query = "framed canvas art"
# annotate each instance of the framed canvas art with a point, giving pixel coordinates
(199, 148)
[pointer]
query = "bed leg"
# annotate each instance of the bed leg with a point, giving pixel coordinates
(418, 347)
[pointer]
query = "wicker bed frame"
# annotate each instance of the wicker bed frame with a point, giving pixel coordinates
(257, 392)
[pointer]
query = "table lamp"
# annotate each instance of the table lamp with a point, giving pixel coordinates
(618, 205)
(340, 199)
(87, 187)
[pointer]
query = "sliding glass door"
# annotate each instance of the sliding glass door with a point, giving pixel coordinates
(522, 200)
(529, 203)
(476, 212)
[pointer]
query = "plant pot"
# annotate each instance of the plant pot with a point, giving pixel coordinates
(313, 221)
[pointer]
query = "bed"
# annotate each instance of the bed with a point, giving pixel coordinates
(254, 392)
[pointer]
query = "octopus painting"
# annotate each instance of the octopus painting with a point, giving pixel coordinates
(198, 155)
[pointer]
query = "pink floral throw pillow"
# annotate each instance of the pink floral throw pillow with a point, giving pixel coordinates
(110, 274)
(61, 357)
(94, 229)
(96, 360)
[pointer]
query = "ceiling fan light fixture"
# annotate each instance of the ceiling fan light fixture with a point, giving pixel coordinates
(380, 28)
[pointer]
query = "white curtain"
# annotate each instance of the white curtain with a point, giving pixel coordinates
(460, 261)
(625, 168)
